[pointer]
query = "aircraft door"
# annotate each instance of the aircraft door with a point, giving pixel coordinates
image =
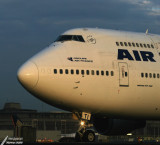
(123, 74)
(156, 42)
(158, 46)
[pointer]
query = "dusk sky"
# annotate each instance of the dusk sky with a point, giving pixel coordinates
(28, 26)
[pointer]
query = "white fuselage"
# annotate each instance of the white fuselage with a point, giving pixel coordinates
(126, 79)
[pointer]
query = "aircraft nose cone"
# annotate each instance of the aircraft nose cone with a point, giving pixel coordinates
(28, 75)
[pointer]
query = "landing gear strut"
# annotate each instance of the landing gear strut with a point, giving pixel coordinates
(84, 133)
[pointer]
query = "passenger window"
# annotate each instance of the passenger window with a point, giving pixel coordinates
(55, 71)
(92, 72)
(137, 44)
(148, 46)
(157, 75)
(87, 72)
(107, 73)
(117, 43)
(126, 74)
(77, 71)
(146, 75)
(142, 75)
(102, 73)
(152, 46)
(129, 44)
(82, 72)
(66, 71)
(125, 43)
(72, 71)
(112, 73)
(145, 45)
(97, 72)
(61, 71)
(150, 75)
(154, 75)
(133, 44)
(141, 45)
(121, 43)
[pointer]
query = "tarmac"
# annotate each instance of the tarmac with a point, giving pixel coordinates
(94, 143)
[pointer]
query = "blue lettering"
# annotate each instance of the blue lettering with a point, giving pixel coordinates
(125, 54)
(147, 56)
(136, 55)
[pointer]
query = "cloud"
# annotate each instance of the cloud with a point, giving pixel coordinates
(146, 2)
(151, 7)
(155, 10)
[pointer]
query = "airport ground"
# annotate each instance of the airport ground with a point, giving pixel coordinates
(84, 143)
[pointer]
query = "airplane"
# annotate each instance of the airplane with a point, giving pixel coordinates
(109, 79)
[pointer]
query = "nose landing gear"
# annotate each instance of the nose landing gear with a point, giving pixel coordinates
(85, 133)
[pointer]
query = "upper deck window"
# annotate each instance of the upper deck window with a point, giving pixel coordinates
(125, 43)
(133, 44)
(117, 43)
(137, 44)
(121, 43)
(129, 44)
(70, 38)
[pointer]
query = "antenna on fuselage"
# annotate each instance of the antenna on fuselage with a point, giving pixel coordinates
(146, 31)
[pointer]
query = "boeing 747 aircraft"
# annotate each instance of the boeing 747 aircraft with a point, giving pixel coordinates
(109, 79)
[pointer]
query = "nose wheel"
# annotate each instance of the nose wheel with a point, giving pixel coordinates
(88, 136)
(85, 136)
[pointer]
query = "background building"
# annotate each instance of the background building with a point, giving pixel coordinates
(46, 123)
(51, 125)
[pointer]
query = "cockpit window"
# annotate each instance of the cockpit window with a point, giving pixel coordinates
(70, 38)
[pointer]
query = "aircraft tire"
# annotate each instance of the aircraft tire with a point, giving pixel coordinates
(89, 136)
